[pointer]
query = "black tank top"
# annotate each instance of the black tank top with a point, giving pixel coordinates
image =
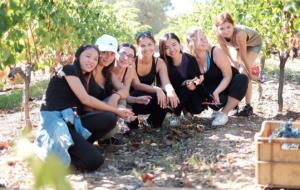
(151, 76)
(96, 90)
(213, 76)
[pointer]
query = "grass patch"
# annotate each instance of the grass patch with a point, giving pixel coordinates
(290, 75)
(14, 98)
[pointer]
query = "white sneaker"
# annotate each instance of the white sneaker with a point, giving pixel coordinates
(220, 119)
(175, 121)
(214, 114)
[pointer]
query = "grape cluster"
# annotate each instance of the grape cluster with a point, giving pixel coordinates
(286, 130)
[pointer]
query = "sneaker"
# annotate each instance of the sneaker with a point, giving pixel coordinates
(175, 121)
(235, 110)
(246, 111)
(111, 141)
(133, 124)
(220, 119)
(214, 114)
(187, 115)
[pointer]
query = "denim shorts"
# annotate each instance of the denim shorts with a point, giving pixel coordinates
(255, 49)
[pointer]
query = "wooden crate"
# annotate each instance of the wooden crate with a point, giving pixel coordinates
(277, 166)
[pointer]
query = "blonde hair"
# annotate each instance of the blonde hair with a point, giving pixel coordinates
(190, 35)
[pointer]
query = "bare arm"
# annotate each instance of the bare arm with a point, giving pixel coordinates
(137, 85)
(161, 97)
(90, 101)
(166, 84)
(223, 64)
(241, 39)
(127, 82)
(224, 47)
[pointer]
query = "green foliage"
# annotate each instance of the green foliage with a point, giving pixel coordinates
(290, 74)
(50, 173)
(38, 89)
(34, 31)
(150, 13)
(14, 99)
(267, 17)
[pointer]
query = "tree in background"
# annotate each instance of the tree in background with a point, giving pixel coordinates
(150, 13)
(34, 32)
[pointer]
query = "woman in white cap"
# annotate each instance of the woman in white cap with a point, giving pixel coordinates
(100, 85)
(66, 131)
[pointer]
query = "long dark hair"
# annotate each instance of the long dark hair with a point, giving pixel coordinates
(106, 72)
(162, 45)
(83, 77)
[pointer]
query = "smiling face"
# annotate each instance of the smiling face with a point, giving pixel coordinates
(146, 46)
(106, 58)
(200, 41)
(125, 57)
(172, 48)
(225, 29)
(88, 59)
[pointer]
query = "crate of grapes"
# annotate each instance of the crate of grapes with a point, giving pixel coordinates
(278, 155)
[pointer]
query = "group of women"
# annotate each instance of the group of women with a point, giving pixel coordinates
(110, 82)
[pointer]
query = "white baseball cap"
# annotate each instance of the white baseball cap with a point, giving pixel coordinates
(107, 43)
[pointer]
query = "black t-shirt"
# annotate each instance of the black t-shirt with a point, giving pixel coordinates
(59, 95)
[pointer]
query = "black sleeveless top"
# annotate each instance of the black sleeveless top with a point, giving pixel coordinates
(149, 78)
(96, 90)
(213, 76)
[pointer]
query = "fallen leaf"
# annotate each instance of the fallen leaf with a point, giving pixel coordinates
(147, 142)
(12, 162)
(4, 145)
(187, 183)
(147, 179)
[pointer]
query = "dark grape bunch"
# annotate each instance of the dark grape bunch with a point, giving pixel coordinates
(287, 131)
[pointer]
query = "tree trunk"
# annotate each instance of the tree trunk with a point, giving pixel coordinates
(26, 96)
(283, 56)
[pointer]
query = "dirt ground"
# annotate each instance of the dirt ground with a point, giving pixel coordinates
(193, 155)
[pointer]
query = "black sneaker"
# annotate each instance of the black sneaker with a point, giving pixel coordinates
(134, 124)
(246, 111)
(111, 141)
(236, 110)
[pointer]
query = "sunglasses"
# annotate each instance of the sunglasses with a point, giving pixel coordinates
(139, 35)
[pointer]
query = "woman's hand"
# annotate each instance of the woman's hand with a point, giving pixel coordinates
(142, 100)
(124, 113)
(172, 99)
(161, 98)
(216, 97)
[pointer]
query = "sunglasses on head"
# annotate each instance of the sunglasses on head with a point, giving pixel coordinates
(142, 35)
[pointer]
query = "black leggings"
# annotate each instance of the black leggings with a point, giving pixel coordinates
(157, 114)
(191, 101)
(84, 155)
(237, 89)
